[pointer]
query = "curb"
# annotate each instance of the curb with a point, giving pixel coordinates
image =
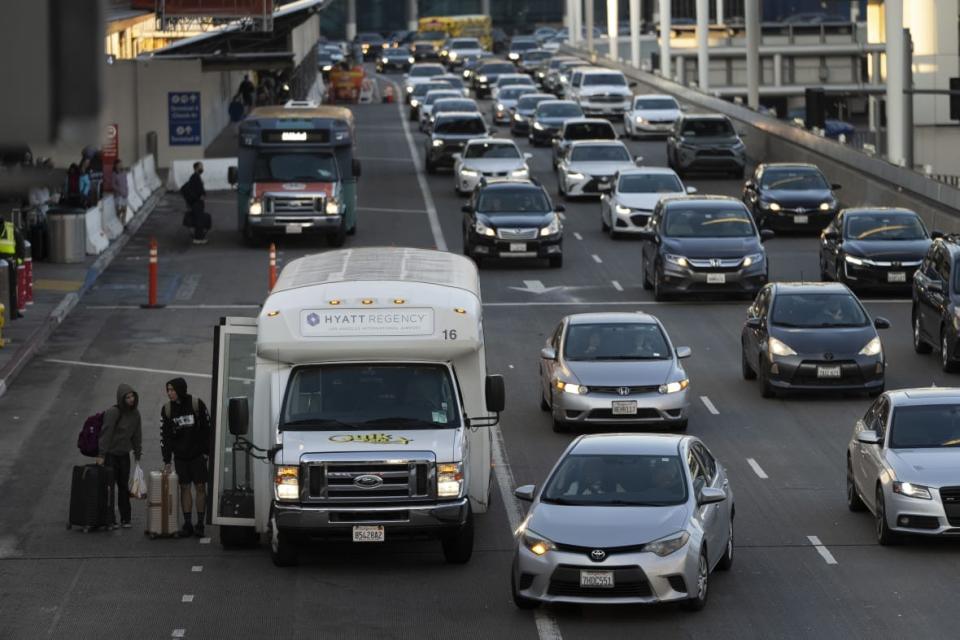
(41, 334)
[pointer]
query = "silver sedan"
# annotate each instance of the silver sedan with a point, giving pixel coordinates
(903, 463)
(625, 519)
(613, 368)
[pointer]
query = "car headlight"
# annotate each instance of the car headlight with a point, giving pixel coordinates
(571, 388)
(256, 208)
(469, 173)
(536, 543)
(641, 120)
(755, 258)
(484, 230)
(332, 208)
(538, 126)
(453, 56)
(411, 59)
(287, 482)
(680, 261)
(670, 544)
(410, 87)
(779, 348)
(328, 67)
(575, 175)
(517, 117)
(854, 260)
(912, 490)
(449, 479)
(872, 348)
(414, 102)
(437, 143)
(513, 56)
(622, 209)
(482, 79)
(384, 60)
(551, 229)
(675, 387)
(773, 206)
(500, 107)
(826, 206)
(522, 172)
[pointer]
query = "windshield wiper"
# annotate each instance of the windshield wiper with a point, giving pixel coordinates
(400, 420)
(631, 358)
(631, 503)
(318, 422)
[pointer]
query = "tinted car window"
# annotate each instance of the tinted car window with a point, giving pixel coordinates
(594, 79)
(497, 68)
(432, 96)
(925, 427)
(700, 222)
(426, 72)
(706, 128)
(654, 103)
(490, 150)
(617, 479)
(609, 341)
(889, 226)
(454, 105)
(519, 200)
(600, 154)
(793, 179)
(530, 102)
(431, 35)
(559, 111)
(426, 87)
(465, 44)
(590, 131)
(462, 126)
(513, 92)
(816, 310)
(649, 183)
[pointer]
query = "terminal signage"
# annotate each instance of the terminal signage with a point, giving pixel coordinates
(183, 118)
(337, 323)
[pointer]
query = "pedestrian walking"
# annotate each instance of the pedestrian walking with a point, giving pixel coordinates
(247, 91)
(119, 183)
(195, 195)
(185, 438)
(236, 111)
(121, 434)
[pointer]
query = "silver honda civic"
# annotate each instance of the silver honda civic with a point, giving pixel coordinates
(625, 518)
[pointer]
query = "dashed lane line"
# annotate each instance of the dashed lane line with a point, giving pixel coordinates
(822, 550)
(577, 235)
(389, 210)
(120, 367)
(197, 568)
(187, 597)
(709, 405)
(757, 469)
(616, 285)
(596, 258)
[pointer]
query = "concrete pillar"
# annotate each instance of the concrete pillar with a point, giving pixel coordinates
(751, 11)
(703, 44)
(577, 22)
(720, 12)
(665, 19)
(412, 16)
(568, 15)
(778, 69)
(351, 19)
(681, 69)
(613, 29)
(485, 7)
(589, 21)
(635, 33)
(896, 138)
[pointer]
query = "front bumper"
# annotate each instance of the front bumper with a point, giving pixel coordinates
(290, 225)
(711, 160)
(443, 156)
(653, 407)
(337, 522)
(541, 247)
(544, 135)
(796, 218)
(585, 186)
(604, 108)
(468, 182)
(660, 128)
(633, 222)
(800, 372)
(639, 577)
(881, 276)
(677, 279)
(923, 517)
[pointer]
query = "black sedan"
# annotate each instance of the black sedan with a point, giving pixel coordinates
(512, 219)
(874, 248)
(395, 59)
(936, 302)
(812, 336)
(547, 119)
(790, 196)
(486, 74)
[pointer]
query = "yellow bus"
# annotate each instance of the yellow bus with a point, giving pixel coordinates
(469, 26)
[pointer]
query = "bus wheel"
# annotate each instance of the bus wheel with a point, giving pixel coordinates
(338, 237)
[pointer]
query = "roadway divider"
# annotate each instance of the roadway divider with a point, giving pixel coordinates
(214, 173)
(103, 222)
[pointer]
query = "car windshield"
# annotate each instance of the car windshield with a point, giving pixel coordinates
(433, 96)
(370, 37)
(884, 226)
(606, 79)
(513, 200)
(559, 111)
(426, 87)
(702, 222)
(362, 396)
(426, 72)
(464, 44)
(654, 103)
(793, 179)
(817, 311)
(457, 83)
(300, 167)
(431, 35)
(461, 126)
(531, 102)
(650, 183)
(707, 129)
(925, 427)
(600, 153)
(513, 92)
(491, 150)
(497, 68)
(523, 46)
(590, 131)
(617, 480)
(454, 105)
(615, 341)
(397, 53)
(536, 55)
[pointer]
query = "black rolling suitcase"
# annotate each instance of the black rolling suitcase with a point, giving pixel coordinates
(92, 497)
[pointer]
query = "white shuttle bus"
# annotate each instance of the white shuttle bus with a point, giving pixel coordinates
(355, 405)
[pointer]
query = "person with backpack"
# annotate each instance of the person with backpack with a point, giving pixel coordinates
(195, 194)
(120, 434)
(185, 437)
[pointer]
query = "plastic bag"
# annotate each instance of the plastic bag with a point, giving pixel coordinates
(137, 484)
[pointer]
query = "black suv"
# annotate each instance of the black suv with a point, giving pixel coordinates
(936, 293)
(450, 133)
(790, 196)
(512, 219)
(548, 117)
(703, 244)
(486, 74)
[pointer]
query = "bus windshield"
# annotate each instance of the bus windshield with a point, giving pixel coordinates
(302, 167)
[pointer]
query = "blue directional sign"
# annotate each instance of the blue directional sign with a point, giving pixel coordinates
(183, 122)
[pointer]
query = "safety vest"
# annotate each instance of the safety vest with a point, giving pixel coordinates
(8, 244)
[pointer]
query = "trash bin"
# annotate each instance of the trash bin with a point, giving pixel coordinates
(67, 229)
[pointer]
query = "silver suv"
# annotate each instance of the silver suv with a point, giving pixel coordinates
(704, 142)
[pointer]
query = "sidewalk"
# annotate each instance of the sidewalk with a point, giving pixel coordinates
(56, 290)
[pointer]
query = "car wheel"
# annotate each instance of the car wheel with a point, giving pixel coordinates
(430, 167)
(885, 535)
(766, 389)
(544, 405)
(556, 262)
(519, 600)
(726, 561)
(854, 503)
(918, 343)
(603, 223)
(824, 276)
(699, 599)
(745, 369)
(644, 280)
(658, 292)
(947, 363)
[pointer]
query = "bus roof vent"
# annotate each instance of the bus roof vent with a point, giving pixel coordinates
(300, 104)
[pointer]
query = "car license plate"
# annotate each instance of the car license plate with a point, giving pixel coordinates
(518, 246)
(828, 372)
(624, 407)
(293, 228)
(596, 579)
(368, 533)
(716, 278)
(897, 276)
(801, 219)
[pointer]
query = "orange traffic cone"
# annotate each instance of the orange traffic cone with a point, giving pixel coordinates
(388, 93)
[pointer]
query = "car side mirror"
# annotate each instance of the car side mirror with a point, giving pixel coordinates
(559, 208)
(832, 236)
(527, 156)
(754, 323)
(868, 436)
(495, 393)
(456, 157)
(525, 492)
(232, 177)
(836, 187)
(638, 161)
(934, 235)
(711, 495)
(548, 353)
(238, 415)
(742, 134)
(691, 190)
(357, 169)
(684, 108)
(881, 323)
(492, 130)
(633, 85)
(466, 208)
(684, 352)
(766, 234)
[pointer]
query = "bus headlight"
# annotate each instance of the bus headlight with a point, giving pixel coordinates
(256, 208)
(449, 479)
(287, 482)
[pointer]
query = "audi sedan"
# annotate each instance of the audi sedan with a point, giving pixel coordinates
(613, 368)
(625, 519)
(903, 463)
(628, 202)
(790, 196)
(586, 166)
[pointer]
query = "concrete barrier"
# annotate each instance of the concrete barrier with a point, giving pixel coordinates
(97, 241)
(134, 201)
(150, 171)
(140, 180)
(214, 173)
(109, 221)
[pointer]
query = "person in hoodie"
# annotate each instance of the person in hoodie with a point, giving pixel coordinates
(120, 435)
(185, 437)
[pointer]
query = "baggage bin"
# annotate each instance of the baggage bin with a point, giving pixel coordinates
(67, 229)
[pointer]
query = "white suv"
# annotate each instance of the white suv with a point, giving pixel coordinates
(602, 92)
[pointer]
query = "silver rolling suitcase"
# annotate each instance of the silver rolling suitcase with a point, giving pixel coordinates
(163, 505)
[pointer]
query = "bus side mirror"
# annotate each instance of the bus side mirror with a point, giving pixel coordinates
(357, 170)
(496, 393)
(232, 175)
(238, 415)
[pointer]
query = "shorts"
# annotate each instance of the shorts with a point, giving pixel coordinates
(191, 471)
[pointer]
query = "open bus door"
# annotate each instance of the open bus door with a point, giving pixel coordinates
(232, 504)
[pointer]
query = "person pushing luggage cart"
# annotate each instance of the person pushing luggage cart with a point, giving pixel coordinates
(185, 437)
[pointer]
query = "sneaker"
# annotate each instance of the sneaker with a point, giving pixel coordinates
(203, 241)
(187, 530)
(198, 531)
(126, 524)
(197, 241)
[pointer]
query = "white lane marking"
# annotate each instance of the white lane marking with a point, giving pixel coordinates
(596, 258)
(616, 303)
(66, 599)
(197, 568)
(534, 286)
(709, 405)
(381, 159)
(187, 597)
(190, 307)
(387, 210)
(757, 469)
(616, 285)
(120, 367)
(577, 235)
(428, 204)
(178, 633)
(822, 550)
(205, 540)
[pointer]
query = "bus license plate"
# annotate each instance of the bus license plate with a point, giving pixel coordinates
(624, 408)
(897, 276)
(518, 246)
(828, 372)
(367, 533)
(293, 228)
(596, 579)
(801, 219)
(716, 278)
